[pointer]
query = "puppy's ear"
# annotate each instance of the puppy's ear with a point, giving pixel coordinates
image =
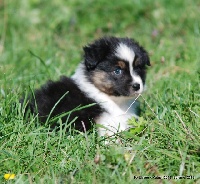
(95, 53)
(147, 60)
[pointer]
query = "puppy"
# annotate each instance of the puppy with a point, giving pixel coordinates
(108, 80)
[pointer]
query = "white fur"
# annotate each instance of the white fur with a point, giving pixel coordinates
(127, 54)
(115, 117)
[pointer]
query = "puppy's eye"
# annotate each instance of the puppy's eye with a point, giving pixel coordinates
(118, 71)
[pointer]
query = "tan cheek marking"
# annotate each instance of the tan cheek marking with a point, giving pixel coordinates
(102, 83)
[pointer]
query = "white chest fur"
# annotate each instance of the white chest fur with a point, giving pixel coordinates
(116, 116)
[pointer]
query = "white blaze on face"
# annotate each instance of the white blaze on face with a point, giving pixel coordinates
(127, 54)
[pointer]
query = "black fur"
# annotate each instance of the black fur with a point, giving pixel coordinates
(51, 93)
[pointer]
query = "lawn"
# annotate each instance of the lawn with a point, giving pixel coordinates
(42, 40)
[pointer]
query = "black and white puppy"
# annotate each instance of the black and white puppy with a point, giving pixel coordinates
(111, 75)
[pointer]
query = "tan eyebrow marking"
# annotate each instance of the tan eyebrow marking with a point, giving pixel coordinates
(136, 62)
(121, 64)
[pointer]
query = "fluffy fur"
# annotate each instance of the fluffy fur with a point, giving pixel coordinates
(111, 76)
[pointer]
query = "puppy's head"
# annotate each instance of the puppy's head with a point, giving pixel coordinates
(116, 66)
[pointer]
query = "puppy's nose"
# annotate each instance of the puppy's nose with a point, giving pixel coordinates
(136, 86)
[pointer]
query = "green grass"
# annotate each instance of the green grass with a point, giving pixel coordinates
(41, 40)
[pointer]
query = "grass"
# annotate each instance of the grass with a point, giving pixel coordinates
(41, 40)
